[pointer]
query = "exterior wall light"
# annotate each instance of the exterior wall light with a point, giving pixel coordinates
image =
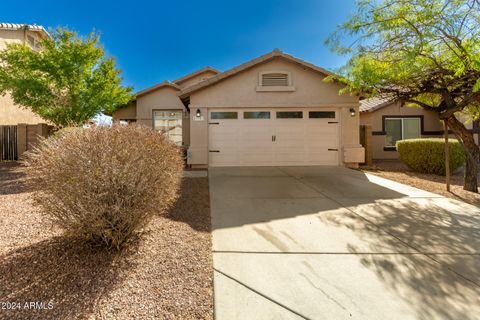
(352, 112)
(198, 113)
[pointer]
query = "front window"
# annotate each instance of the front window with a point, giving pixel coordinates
(169, 122)
(400, 129)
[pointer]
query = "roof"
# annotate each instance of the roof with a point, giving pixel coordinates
(18, 26)
(250, 64)
(196, 73)
(174, 84)
(158, 86)
(375, 103)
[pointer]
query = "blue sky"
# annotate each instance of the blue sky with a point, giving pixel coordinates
(154, 41)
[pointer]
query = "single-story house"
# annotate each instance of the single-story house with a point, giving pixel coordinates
(273, 110)
(28, 34)
(390, 122)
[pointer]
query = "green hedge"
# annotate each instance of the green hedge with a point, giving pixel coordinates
(428, 155)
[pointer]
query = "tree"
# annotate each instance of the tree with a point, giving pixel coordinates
(68, 81)
(425, 53)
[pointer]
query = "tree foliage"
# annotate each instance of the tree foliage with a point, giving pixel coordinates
(421, 49)
(68, 81)
(422, 52)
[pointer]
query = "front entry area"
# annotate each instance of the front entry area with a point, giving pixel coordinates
(278, 136)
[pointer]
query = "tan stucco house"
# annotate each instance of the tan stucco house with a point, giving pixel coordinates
(29, 34)
(273, 110)
(391, 121)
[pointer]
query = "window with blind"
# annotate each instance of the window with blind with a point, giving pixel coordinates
(169, 122)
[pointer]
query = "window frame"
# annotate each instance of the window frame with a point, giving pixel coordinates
(212, 112)
(168, 134)
(401, 118)
(321, 111)
(289, 118)
(258, 112)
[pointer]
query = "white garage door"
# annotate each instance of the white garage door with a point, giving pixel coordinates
(286, 137)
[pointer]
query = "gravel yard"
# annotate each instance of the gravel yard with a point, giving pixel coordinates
(166, 274)
(397, 171)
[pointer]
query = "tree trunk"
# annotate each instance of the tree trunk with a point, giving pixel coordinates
(472, 152)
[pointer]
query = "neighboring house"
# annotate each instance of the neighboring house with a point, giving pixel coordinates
(390, 122)
(11, 114)
(273, 110)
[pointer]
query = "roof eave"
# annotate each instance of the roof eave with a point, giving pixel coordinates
(196, 73)
(29, 27)
(158, 87)
(248, 65)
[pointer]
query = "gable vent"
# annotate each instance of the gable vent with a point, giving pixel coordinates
(275, 79)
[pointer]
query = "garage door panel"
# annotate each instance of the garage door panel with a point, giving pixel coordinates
(323, 157)
(247, 142)
(224, 144)
(297, 128)
(290, 157)
(292, 149)
(223, 157)
(258, 127)
(291, 145)
(223, 133)
(257, 149)
(313, 146)
(321, 129)
(296, 142)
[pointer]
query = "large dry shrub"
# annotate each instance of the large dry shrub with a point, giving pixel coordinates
(105, 183)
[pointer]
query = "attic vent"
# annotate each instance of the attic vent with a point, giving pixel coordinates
(275, 80)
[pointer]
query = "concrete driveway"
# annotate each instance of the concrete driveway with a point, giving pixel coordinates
(334, 243)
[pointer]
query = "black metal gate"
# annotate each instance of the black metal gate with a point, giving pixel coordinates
(8, 143)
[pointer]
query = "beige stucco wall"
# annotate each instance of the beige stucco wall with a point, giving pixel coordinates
(18, 36)
(431, 123)
(196, 79)
(239, 91)
(11, 114)
(127, 113)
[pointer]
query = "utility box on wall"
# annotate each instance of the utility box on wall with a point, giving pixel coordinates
(354, 155)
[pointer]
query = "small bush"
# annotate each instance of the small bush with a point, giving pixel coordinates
(428, 155)
(105, 183)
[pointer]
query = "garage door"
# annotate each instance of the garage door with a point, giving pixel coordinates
(246, 137)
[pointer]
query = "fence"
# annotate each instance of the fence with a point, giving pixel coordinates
(8, 143)
(15, 140)
(366, 142)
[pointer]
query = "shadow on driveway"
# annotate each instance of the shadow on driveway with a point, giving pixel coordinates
(284, 193)
(363, 225)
